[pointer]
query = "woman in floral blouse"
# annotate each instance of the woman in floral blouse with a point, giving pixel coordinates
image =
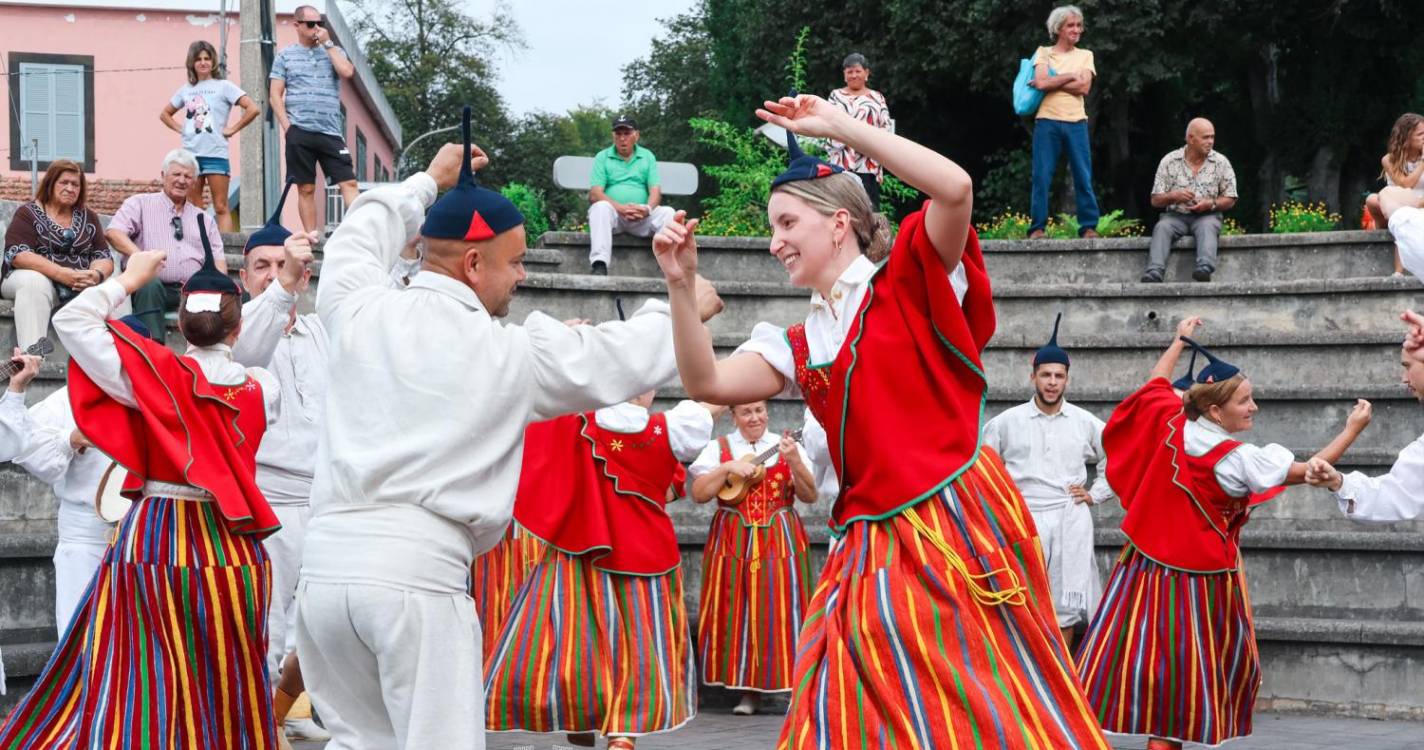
(54, 249)
(865, 104)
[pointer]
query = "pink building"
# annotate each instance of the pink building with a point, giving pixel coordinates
(89, 77)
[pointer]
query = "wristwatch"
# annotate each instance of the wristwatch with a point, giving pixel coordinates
(328, 44)
(1213, 204)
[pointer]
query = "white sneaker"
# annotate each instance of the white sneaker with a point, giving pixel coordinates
(305, 729)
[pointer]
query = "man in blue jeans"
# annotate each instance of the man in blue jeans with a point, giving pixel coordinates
(1064, 72)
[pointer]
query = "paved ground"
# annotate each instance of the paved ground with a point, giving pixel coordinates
(718, 730)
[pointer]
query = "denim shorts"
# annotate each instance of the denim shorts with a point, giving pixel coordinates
(213, 165)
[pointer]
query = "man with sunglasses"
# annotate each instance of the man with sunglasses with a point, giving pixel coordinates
(166, 221)
(306, 99)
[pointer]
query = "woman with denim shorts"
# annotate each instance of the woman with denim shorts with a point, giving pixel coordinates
(204, 103)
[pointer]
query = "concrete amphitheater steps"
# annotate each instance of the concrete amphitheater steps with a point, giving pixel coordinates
(1254, 257)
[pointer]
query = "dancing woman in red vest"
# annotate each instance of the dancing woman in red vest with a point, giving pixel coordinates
(596, 639)
(1171, 652)
(931, 624)
(168, 647)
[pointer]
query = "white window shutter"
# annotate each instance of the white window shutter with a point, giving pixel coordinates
(36, 98)
(52, 110)
(69, 112)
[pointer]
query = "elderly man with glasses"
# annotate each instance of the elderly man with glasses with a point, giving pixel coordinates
(166, 221)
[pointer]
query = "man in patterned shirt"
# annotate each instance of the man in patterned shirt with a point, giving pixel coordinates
(1194, 184)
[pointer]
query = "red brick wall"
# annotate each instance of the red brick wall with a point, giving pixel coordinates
(104, 195)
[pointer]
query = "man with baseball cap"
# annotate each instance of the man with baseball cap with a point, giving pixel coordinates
(625, 192)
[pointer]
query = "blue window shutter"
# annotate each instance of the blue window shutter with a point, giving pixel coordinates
(52, 110)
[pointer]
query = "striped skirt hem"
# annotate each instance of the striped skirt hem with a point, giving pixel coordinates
(1172, 653)
(167, 647)
(756, 583)
(934, 628)
(585, 650)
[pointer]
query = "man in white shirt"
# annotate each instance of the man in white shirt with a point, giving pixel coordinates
(422, 445)
(1398, 495)
(1046, 444)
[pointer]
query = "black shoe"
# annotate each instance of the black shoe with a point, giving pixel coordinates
(599, 268)
(1151, 276)
(1202, 274)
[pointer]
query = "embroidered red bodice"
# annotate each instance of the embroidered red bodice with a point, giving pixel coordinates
(775, 493)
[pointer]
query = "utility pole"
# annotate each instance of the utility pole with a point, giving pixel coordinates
(254, 81)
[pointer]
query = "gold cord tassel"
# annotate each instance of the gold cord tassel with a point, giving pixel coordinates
(1014, 594)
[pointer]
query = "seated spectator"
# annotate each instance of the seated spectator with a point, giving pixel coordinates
(1194, 184)
(1400, 168)
(54, 247)
(866, 104)
(625, 194)
(165, 220)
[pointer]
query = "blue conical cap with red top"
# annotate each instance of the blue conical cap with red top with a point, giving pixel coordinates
(469, 212)
(801, 165)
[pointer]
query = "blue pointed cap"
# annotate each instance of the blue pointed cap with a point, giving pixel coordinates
(801, 165)
(137, 325)
(1185, 382)
(208, 278)
(271, 233)
(1052, 353)
(470, 212)
(1216, 370)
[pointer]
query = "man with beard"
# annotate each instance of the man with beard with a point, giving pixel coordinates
(1046, 444)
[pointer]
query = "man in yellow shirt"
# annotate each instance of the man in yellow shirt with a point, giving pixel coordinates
(1064, 72)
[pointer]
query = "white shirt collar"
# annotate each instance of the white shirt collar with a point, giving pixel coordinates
(1037, 412)
(1211, 426)
(624, 417)
(216, 350)
(858, 272)
(439, 282)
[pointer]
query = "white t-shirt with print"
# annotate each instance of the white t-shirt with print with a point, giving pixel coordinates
(203, 109)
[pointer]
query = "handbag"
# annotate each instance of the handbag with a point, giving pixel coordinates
(1026, 97)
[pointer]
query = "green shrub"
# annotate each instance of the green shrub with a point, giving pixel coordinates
(1230, 227)
(1110, 224)
(1296, 216)
(530, 202)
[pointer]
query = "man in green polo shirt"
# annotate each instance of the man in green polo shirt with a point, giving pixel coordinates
(625, 194)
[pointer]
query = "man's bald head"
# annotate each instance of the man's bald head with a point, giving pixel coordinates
(1201, 136)
(491, 268)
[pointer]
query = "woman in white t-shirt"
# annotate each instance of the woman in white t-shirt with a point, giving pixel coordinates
(205, 101)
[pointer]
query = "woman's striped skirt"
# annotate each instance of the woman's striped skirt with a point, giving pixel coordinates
(167, 648)
(1172, 653)
(756, 581)
(585, 650)
(495, 578)
(934, 628)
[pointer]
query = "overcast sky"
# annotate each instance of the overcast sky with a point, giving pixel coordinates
(576, 49)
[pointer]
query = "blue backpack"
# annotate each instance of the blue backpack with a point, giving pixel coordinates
(1026, 97)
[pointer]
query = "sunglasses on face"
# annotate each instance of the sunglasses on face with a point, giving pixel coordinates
(177, 228)
(309, 24)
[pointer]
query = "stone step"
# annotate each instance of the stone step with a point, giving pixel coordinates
(1305, 418)
(1351, 663)
(1025, 311)
(1255, 257)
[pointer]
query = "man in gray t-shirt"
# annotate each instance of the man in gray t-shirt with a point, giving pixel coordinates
(306, 98)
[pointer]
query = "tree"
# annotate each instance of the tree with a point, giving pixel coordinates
(542, 137)
(432, 59)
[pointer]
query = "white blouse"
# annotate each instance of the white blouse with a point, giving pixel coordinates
(1248, 469)
(828, 323)
(1396, 496)
(37, 440)
(1045, 453)
(689, 424)
(711, 456)
(80, 325)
